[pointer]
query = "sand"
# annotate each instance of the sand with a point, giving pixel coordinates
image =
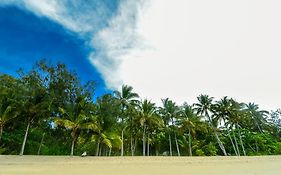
(65, 165)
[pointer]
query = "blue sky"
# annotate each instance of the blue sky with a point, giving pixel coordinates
(26, 38)
(173, 48)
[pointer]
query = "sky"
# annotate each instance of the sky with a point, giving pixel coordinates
(163, 48)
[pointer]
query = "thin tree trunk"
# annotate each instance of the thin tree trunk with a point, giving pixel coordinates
(234, 148)
(98, 148)
(157, 151)
(170, 144)
(122, 145)
(257, 148)
(220, 144)
(251, 147)
(132, 146)
(135, 145)
(147, 144)
(189, 142)
(1, 132)
(143, 141)
(109, 154)
(216, 135)
(25, 138)
(72, 146)
(241, 141)
(177, 145)
(41, 143)
(237, 147)
(259, 128)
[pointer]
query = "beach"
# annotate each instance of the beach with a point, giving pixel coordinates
(60, 165)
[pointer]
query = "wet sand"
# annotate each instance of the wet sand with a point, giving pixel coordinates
(66, 165)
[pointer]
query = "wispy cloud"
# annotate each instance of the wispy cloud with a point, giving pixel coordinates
(116, 41)
(76, 16)
(181, 48)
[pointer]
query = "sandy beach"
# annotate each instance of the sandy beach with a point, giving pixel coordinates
(60, 165)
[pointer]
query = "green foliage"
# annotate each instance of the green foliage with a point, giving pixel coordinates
(63, 117)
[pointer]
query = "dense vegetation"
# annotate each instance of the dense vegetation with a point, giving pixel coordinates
(48, 111)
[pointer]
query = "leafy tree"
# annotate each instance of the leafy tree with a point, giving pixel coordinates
(77, 117)
(148, 119)
(127, 99)
(203, 108)
(10, 92)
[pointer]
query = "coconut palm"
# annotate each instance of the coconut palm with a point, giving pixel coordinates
(76, 117)
(258, 116)
(148, 120)
(170, 115)
(204, 107)
(187, 122)
(36, 104)
(127, 99)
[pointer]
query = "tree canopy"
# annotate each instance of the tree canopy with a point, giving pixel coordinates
(49, 111)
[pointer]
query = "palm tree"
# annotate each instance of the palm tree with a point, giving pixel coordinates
(76, 117)
(232, 114)
(7, 113)
(187, 123)
(170, 115)
(148, 119)
(35, 102)
(258, 116)
(203, 108)
(9, 90)
(107, 110)
(127, 99)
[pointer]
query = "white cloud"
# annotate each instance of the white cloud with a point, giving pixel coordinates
(76, 16)
(215, 47)
(180, 48)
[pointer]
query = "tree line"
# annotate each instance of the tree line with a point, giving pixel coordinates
(48, 111)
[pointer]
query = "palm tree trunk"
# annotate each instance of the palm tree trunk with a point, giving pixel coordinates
(234, 148)
(257, 124)
(251, 148)
(189, 142)
(98, 148)
(72, 147)
(216, 135)
(147, 144)
(41, 143)
(170, 144)
(25, 138)
(109, 154)
(1, 132)
(143, 141)
(236, 144)
(122, 143)
(132, 146)
(241, 141)
(220, 144)
(177, 145)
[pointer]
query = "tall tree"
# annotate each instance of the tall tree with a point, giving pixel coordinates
(170, 114)
(36, 102)
(204, 107)
(127, 99)
(258, 116)
(148, 119)
(10, 91)
(188, 121)
(76, 117)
